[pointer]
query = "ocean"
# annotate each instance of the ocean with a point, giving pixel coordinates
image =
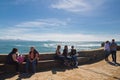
(46, 46)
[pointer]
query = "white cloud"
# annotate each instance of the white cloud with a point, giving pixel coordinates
(33, 28)
(77, 5)
(43, 23)
(60, 37)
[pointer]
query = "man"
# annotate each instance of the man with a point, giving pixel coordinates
(74, 57)
(113, 48)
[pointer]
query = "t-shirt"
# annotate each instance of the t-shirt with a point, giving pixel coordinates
(107, 46)
(113, 46)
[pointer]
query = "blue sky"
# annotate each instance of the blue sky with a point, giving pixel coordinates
(60, 20)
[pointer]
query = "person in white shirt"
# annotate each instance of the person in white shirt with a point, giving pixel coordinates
(107, 50)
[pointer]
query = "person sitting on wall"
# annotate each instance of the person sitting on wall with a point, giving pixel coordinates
(33, 57)
(73, 54)
(58, 54)
(67, 61)
(12, 59)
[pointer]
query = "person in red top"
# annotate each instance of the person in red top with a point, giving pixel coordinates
(33, 57)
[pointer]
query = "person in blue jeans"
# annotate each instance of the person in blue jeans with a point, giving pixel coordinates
(74, 56)
(32, 59)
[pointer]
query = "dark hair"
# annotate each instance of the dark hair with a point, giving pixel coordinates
(65, 47)
(113, 40)
(58, 47)
(72, 46)
(14, 50)
(107, 41)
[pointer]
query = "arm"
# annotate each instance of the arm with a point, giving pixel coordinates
(37, 56)
(14, 57)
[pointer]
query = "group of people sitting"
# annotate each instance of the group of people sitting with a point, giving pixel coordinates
(110, 48)
(67, 58)
(14, 58)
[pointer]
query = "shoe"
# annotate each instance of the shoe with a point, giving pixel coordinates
(116, 64)
(76, 67)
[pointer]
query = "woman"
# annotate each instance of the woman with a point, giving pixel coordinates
(107, 50)
(33, 57)
(65, 51)
(67, 60)
(12, 58)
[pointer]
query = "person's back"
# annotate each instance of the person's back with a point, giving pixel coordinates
(74, 57)
(107, 46)
(113, 48)
(73, 52)
(107, 50)
(12, 58)
(9, 58)
(65, 51)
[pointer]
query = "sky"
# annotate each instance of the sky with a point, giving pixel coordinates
(60, 20)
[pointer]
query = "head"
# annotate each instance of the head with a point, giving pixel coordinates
(113, 40)
(58, 47)
(107, 41)
(72, 47)
(66, 47)
(32, 48)
(14, 50)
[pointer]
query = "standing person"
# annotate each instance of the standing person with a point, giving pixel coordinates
(107, 50)
(73, 55)
(33, 57)
(12, 59)
(113, 47)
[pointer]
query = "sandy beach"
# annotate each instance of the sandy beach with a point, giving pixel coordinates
(101, 70)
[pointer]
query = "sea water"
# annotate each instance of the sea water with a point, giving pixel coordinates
(46, 46)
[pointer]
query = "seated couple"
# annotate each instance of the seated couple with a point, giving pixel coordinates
(13, 58)
(65, 58)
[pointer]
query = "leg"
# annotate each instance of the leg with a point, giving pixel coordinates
(75, 60)
(16, 66)
(114, 56)
(34, 66)
(106, 55)
(27, 64)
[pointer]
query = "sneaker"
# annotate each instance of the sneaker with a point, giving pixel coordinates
(116, 64)
(113, 62)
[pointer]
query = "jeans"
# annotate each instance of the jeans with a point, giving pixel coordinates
(113, 56)
(74, 58)
(33, 63)
(107, 53)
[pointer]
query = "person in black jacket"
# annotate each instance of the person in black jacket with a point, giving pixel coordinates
(74, 56)
(12, 58)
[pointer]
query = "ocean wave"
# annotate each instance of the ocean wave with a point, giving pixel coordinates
(19, 45)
